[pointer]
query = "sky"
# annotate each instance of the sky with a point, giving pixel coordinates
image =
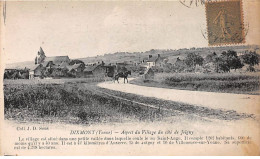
(82, 29)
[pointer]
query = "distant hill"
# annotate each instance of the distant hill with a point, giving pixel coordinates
(169, 53)
(20, 65)
(138, 56)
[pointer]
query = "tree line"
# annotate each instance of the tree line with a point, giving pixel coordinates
(224, 62)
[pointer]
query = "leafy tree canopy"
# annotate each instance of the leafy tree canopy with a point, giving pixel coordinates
(251, 58)
(72, 62)
(193, 59)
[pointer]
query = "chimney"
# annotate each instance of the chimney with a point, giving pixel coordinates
(159, 55)
(150, 56)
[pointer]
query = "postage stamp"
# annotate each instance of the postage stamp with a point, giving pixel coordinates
(225, 22)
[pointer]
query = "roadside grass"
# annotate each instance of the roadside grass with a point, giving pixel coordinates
(70, 102)
(222, 82)
(55, 81)
(82, 102)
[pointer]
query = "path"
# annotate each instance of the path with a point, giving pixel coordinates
(242, 103)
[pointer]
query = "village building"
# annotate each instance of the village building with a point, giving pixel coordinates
(155, 61)
(17, 72)
(11, 73)
(41, 58)
(110, 70)
(55, 66)
(95, 71)
(58, 71)
(76, 69)
(36, 71)
(47, 64)
(142, 68)
(57, 60)
(124, 66)
(64, 64)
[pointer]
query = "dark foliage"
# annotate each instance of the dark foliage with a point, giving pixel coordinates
(193, 59)
(231, 60)
(251, 59)
(76, 61)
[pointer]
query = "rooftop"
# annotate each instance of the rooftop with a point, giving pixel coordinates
(57, 59)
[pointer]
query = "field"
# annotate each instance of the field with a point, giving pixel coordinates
(225, 82)
(80, 101)
(54, 81)
(69, 101)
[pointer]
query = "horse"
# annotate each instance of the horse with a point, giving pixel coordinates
(122, 75)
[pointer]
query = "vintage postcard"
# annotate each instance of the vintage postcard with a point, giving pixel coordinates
(132, 78)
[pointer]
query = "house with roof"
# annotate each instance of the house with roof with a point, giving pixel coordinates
(64, 64)
(110, 70)
(51, 66)
(157, 61)
(36, 71)
(56, 60)
(12, 73)
(124, 66)
(47, 64)
(58, 71)
(95, 71)
(76, 70)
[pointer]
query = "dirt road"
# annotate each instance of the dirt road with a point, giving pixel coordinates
(241, 103)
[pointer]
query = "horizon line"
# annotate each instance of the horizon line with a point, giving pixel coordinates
(217, 46)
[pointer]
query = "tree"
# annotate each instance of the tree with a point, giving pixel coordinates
(218, 63)
(167, 68)
(210, 57)
(193, 59)
(179, 65)
(231, 60)
(222, 65)
(47, 72)
(251, 59)
(72, 62)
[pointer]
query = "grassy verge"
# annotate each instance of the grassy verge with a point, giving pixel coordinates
(82, 102)
(228, 82)
(54, 81)
(70, 102)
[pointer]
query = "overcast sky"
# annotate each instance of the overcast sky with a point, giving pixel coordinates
(82, 29)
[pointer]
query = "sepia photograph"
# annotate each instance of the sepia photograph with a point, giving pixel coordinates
(130, 78)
